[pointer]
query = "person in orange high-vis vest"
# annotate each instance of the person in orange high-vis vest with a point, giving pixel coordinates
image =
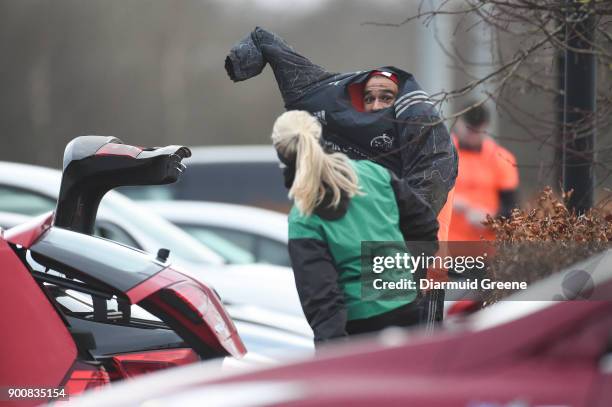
(488, 178)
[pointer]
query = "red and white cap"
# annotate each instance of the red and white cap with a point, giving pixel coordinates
(386, 74)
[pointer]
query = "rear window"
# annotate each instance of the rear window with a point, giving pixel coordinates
(91, 307)
(89, 257)
(80, 300)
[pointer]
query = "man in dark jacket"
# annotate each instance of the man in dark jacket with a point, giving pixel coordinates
(408, 138)
(406, 135)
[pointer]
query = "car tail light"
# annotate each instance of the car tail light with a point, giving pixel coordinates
(196, 305)
(192, 310)
(86, 377)
(134, 364)
(463, 307)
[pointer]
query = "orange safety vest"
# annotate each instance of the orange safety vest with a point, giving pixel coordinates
(482, 175)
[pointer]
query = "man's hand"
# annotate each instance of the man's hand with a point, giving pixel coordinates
(474, 216)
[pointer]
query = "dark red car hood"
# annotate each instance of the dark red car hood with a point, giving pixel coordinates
(532, 359)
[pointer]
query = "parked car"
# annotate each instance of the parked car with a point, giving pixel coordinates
(245, 175)
(36, 191)
(82, 311)
(120, 219)
(276, 336)
(260, 232)
(518, 352)
(8, 219)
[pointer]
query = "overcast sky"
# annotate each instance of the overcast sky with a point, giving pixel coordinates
(292, 6)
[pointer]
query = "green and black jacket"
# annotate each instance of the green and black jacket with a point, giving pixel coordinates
(325, 247)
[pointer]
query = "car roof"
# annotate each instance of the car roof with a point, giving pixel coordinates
(233, 154)
(43, 180)
(259, 221)
(32, 177)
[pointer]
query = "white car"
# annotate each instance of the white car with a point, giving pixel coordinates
(9, 219)
(261, 233)
(30, 190)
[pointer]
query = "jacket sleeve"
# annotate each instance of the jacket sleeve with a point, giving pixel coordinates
(294, 73)
(429, 158)
(418, 221)
(316, 280)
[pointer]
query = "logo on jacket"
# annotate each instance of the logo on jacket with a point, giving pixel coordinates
(384, 142)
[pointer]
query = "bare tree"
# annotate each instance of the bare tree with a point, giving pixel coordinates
(559, 49)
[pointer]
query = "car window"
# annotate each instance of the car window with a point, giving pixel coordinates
(273, 252)
(149, 192)
(245, 241)
(263, 250)
(232, 253)
(167, 235)
(249, 183)
(89, 303)
(24, 202)
(81, 305)
(115, 233)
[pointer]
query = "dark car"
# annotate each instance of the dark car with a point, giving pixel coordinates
(245, 175)
(82, 311)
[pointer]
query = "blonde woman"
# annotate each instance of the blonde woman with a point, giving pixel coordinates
(338, 203)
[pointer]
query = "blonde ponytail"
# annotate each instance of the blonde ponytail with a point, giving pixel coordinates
(296, 134)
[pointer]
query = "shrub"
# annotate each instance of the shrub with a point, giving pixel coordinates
(534, 243)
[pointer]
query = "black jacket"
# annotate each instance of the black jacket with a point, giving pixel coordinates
(408, 138)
